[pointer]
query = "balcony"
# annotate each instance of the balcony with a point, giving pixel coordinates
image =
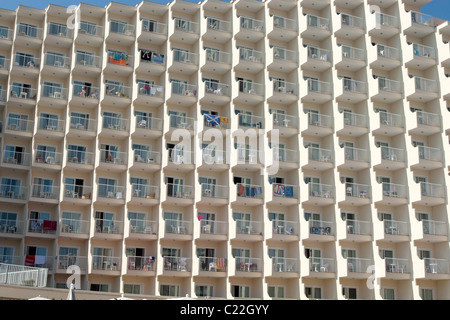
(319, 125)
(188, 29)
(105, 263)
(114, 127)
(107, 226)
(181, 121)
(151, 63)
(437, 268)
(64, 262)
(394, 194)
(283, 28)
(16, 160)
(427, 123)
(283, 60)
(213, 230)
(77, 194)
(148, 127)
(389, 91)
(284, 194)
(59, 35)
(144, 194)
(249, 194)
(26, 65)
(390, 124)
(85, 96)
(359, 267)
(249, 230)
(431, 194)
(149, 95)
(286, 124)
(318, 28)
(420, 25)
(426, 90)
(18, 127)
(90, 33)
(48, 160)
(177, 229)
(283, 92)
(250, 61)
(28, 35)
(285, 267)
(217, 30)
(111, 194)
(50, 128)
(429, 158)
(318, 91)
(44, 193)
(250, 92)
(180, 194)
(321, 230)
(6, 37)
(397, 268)
(147, 160)
(248, 267)
(140, 265)
(352, 91)
(13, 193)
(81, 160)
(177, 266)
(393, 229)
(358, 230)
(214, 195)
(391, 159)
(82, 127)
(183, 94)
(250, 29)
(387, 59)
(385, 27)
(355, 159)
(153, 32)
(212, 266)
(354, 124)
(351, 28)
(434, 230)
(320, 194)
(184, 62)
(88, 65)
(322, 268)
(11, 228)
(119, 63)
(423, 57)
(121, 33)
(357, 194)
(143, 229)
(217, 93)
(54, 96)
(56, 65)
(318, 59)
(217, 61)
(319, 159)
(113, 160)
(117, 95)
(287, 159)
(352, 59)
(247, 159)
(22, 96)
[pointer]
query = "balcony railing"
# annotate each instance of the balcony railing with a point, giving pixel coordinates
(252, 24)
(249, 191)
(386, 20)
(322, 264)
(181, 121)
(322, 87)
(184, 56)
(428, 153)
(22, 92)
(248, 120)
(146, 156)
(90, 60)
(121, 28)
(74, 226)
(353, 53)
(396, 265)
(115, 123)
(428, 119)
(284, 120)
(388, 52)
(144, 191)
(285, 191)
(178, 226)
(395, 190)
(351, 21)
(221, 89)
(186, 25)
(44, 191)
(393, 154)
(47, 262)
(249, 264)
(391, 119)
(217, 24)
(51, 124)
(86, 92)
(285, 87)
(214, 191)
(432, 190)
(154, 26)
(247, 54)
(42, 226)
(105, 262)
(150, 90)
(355, 154)
(29, 31)
(11, 226)
(18, 124)
(82, 157)
(213, 227)
(189, 90)
(83, 123)
(121, 59)
(180, 191)
(355, 119)
(421, 18)
(177, 263)
(321, 227)
(13, 192)
(56, 60)
(113, 157)
(319, 22)
(389, 85)
(63, 262)
(283, 54)
(424, 51)
(212, 264)
(179, 156)
(143, 226)
(141, 263)
(27, 61)
(151, 123)
(359, 227)
(320, 154)
(111, 191)
(285, 264)
(55, 92)
(77, 191)
(218, 56)
(320, 120)
(59, 30)
(14, 157)
(285, 155)
(396, 227)
(438, 228)
(47, 157)
(6, 34)
(108, 226)
(424, 84)
(284, 23)
(321, 190)
(359, 265)
(354, 86)
(118, 91)
(433, 265)
(90, 29)
(357, 190)
(284, 227)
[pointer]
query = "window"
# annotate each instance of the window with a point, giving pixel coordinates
(388, 293)
(48, 121)
(88, 27)
(276, 291)
(79, 120)
(11, 188)
(213, 23)
(28, 30)
(7, 255)
(313, 293)
(67, 257)
(131, 288)
(140, 187)
(349, 293)
(43, 188)
(52, 89)
(57, 29)
(143, 119)
(173, 221)
(4, 32)
(84, 90)
(138, 220)
(240, 291)
(243, 222)
(179, 86)
(8, 221)
(99, 287)
(212, 54)
(204, 291)
(85, 58)
(71, 221)
(76, 154)
(426, 294)
(107, 188)
(175, 187)
(46, 154)
(74, 187)
(150, 25)
(118, 26)
(17, 122)
(169, 290)
(24, 60)
(21, 90)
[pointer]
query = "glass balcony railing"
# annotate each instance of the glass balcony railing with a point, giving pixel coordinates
(356, 120)
(389, 85)
(318, 22)
(396, 265)
(349, 52)
(18, 124)
(285, 155)
(391, 119)
(113, 157)
(29, 31)
(180, 191)
(249, 191)
(252, 88)
(283, 87)
(213, 227)
(351, 21)
(44, 191)
(435, 190)
(433, 265)
(14, 157)
(115, 123)
(80, 157)
(13, 191)
(51, 124)
(385, 20)
(421, 50)
(249, 264)
(78, 192)
(121, 28)
(56, 60)
(438, 228)
(90, 29)
(321, 227)
(355, 154)
(117, 90)
(320, 154)
(23, 92)
(177, 264)
(27, 61)
(284, 23)
(218, 56)
(428, 153)
(214, 191)
(284, 120)
(252, 24)
(321, 190)
(184, 89)
(143, 226)
(248, 54)
(396, 227)
(212, 264)
(144, 191)
(354, 86)
(423, 19)
(120, 58)
(283, 54)
(284, 227)
(388, 52)
(357, 190)
(393, 154)
(280, 190)
(141, 263)
(216, 88)
(111, 191)
(394, 190)
(424, 84)
(55, 92)
(154, 26)
(320, 120)
(428, 119)
(150, 90)
(146, 156)
(181, 121)
(217, 24)
(178, 226)
(45, 157)
(317, 86)
(151, 123)
(358, 227)
(105, 262)
(359, 265)
(322, 264)
(83, 123)
(86, 92)
(11, 226)
(89, 60)
(60, 30)
(186, 25)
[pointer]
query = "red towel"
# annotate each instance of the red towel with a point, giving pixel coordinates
(49, 225)
(29, 260)
(241, 189)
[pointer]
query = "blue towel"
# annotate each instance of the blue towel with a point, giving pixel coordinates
(288, 191)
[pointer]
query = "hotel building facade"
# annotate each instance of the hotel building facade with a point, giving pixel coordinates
(119, 151)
